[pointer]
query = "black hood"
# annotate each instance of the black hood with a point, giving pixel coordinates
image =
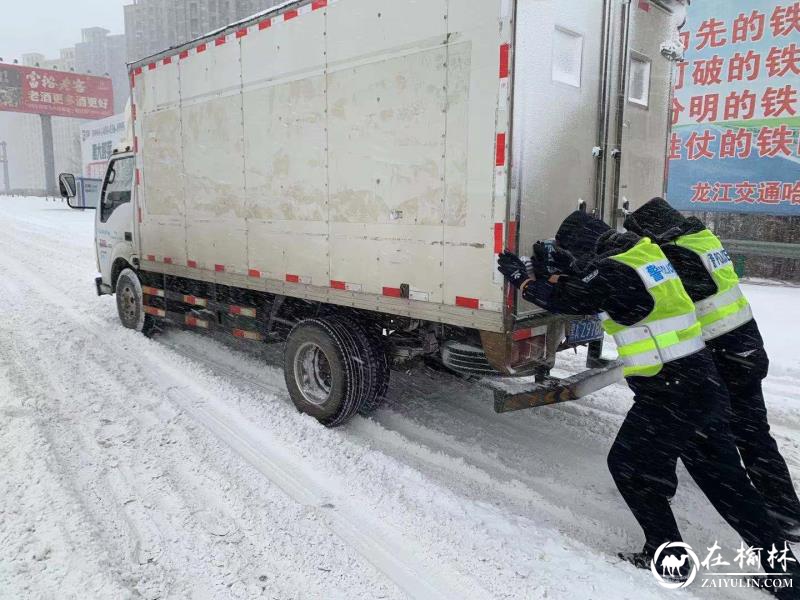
(578, 235)
(657, 220)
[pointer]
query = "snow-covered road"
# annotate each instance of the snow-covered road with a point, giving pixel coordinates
(177, 467)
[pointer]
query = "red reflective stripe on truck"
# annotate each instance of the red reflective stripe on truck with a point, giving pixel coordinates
(505, 55)
(135, 144)
(137, 71)
(133, 112)
(194, 301)
(289, 15)
(392, 292)
(219, 41)
(338, 285)
(156, 312)
(522, 334)
(201, 48)
(151, 258)
(293, 278)
(498, 238)
(247, 335)
(644, 5)
(253, 273)
(152, 66)
(243, 311)
(219, 268)
(472, 303)
(151, 291)
(138, 177)
(167, 260)
(241, 33)
(265, 24)
(167, 61)
(183, 54)
(511, 242)
(195, 322)
(317, 4)
(500, 159)
(192, 264)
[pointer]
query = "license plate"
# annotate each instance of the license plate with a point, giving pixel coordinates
(584, 331)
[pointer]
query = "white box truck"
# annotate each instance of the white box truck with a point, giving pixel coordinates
(342, 174)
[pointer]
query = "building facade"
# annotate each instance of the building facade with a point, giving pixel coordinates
(155, 25)
(100, 53)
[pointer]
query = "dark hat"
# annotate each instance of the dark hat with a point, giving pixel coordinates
(579, 233)
(655, 219)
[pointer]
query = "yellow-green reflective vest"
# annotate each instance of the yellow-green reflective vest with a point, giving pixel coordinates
(728, 308)
(670, 331)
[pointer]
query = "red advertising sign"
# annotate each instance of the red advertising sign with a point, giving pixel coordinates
(55, 93)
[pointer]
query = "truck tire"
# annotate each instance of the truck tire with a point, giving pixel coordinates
(378, 368)
(324, 371)
(130, 303)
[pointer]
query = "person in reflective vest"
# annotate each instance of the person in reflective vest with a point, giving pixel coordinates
(679, 400)
(732, 335)
(670, 331)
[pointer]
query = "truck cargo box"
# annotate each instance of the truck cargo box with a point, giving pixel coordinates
(353, 152)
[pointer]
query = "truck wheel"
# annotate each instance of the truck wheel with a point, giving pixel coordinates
(130, 303)
(378, 368)
(324, 370)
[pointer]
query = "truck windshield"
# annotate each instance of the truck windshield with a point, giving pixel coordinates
(116, 187)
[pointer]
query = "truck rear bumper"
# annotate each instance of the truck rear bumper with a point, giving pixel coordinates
(552, 390)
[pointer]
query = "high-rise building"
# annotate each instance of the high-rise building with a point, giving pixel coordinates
(155, 25)
(100, 53)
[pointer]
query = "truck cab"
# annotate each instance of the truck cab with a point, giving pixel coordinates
(114, 217)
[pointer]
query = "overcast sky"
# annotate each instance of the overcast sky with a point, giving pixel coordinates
(48, 25)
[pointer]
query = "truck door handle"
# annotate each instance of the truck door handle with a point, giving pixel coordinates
(128, 236)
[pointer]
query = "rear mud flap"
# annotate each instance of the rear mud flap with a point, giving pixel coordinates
(552, 390)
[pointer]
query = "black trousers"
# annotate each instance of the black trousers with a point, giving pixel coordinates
(742, 376)
(683, 413)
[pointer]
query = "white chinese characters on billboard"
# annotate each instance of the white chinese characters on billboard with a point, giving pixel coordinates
(736, 140)
(55, 93)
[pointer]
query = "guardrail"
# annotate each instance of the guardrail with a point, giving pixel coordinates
(768, 249)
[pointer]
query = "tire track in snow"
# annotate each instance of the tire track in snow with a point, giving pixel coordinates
(388, 551)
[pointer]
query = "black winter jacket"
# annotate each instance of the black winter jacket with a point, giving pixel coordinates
(608, 286)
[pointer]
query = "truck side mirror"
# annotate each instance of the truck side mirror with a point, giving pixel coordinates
(67, 185)
(76, 196)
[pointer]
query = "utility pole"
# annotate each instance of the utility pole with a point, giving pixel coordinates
(49, 155)
(4, 160)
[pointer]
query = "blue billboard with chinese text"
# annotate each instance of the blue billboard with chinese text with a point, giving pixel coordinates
(735, 145)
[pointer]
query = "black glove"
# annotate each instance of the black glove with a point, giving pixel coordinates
(549, 260)
(541, 260)
(512, 268)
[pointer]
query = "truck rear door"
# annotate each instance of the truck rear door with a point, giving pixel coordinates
(558, 69)
(645, 97)
(557, 116)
